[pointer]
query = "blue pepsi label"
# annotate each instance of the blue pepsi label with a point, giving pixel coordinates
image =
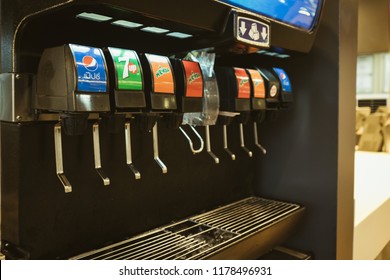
(284, 80)
(91, 69)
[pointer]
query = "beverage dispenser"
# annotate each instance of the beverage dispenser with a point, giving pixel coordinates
(127, 96)
(72, 80)
(286, 96)
(235, 100)
(85, 83)
(160, 96)
(272, 86)
(258, 104)
(189, 97)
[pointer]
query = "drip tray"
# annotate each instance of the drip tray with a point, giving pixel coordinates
(245, 229)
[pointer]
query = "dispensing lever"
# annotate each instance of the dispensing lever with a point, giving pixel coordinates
(208, 145)
(129, 160)
(190, 141)
(155, 150)
(59, 159)
(263, 150)
(242, 141)
(225, 143)
(96, 152)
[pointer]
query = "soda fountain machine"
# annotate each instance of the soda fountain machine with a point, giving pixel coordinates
(94, 93)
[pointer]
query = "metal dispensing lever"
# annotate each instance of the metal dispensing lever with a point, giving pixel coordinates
(208, 145)
(264, 151)
(225, 143)
(155, 150)
(129, 159)
(59, 159)
(190, 141)
(242, 140)
(96, 152)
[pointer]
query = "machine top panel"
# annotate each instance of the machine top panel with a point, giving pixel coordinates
(299, 13)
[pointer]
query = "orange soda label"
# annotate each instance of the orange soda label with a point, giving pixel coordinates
(243, 86)
(163, 81)
(257, 83)
(194, 79)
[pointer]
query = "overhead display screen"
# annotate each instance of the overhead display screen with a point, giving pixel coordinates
(299, 13)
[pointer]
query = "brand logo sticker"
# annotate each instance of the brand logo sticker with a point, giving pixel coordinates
(133, 69)
(193, 77)
(243, 82)
(90, 63)
(161, 71)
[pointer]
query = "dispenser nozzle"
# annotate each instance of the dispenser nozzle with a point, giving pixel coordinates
(208, 145)
(155, 150)
(225, 143)
(242, 140)
(129, 160)
(263, 150)
(59, 159)
(96, 152)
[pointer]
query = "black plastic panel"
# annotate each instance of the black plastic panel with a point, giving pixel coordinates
(60, 25)
(41, 219)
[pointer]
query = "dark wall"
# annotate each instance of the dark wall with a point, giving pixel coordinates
(302, 160)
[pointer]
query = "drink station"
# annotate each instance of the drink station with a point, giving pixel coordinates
(138, 129)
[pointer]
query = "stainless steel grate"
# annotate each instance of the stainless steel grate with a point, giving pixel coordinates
(200, 236)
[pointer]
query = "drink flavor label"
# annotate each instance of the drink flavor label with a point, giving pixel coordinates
(194, 79)
(90, 67)
(163, 81)
(243, 86)
(284, 80)
(127, 69)
(257, 83)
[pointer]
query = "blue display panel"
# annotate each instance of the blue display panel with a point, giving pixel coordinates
(299, 13)
(284, 80)
(91, 68)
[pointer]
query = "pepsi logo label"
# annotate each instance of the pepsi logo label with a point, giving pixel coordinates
(285, 81)
(90, 67)
(90, 63)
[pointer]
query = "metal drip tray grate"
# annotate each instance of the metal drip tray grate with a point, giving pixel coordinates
(206, 235)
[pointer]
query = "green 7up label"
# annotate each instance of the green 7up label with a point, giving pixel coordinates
(128, 70)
